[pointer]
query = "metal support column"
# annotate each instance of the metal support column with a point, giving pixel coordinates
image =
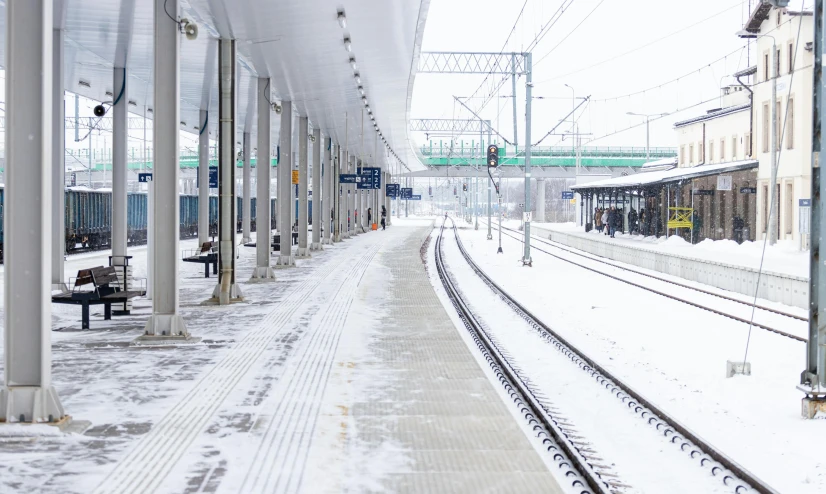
(526, 259)
(341, 157)
(58, 165)
(540, 200)
(813, 377)
(285, 254)
(263, 228)
(327, 216)
(165, 319)
(227, 289)
(27, 394)
(246, 202)
(351, 199)
(317, 192)
(303, 220)
(120, 143)
(203, 177)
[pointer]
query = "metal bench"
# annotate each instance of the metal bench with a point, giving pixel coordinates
(206, 255)
(92, 287)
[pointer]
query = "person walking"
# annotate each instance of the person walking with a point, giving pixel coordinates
(370, 217)
(384, 217)
(614, 219)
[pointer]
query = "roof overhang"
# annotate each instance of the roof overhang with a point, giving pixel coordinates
(654, 178)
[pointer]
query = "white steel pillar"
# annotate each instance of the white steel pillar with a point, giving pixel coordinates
(326, 214)
(317, 192)
(203, 178)
(351, 198)
(58, 166)
(263, 270)
(165, 319)
(303, 220)
(227, 289)
(247, 200)
(337, 194)
(120, 144)
(27, 394)
(344, 198)
(285, 254)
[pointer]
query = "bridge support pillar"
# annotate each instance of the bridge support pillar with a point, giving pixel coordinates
(540, 200)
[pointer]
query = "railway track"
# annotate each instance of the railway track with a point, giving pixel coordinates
(512, 234)
(706, 455)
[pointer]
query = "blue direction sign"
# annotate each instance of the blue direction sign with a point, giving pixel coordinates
(392, 191)
(370, 178)
(407, 192)
(346, 178)
(213, 177)
(144, 177)
(417, 197)
(567, 195)
(805, 203)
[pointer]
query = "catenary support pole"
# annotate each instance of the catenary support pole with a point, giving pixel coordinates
(246, 203)
(317, 190)
(58, 165)
(27, 394)
(540, 200)
(303, 220)
(120, 143)
(165, 319)
(227, 289)
(203, 177)
(263, 229)
(526, 259)
(327, 215)
(285, 254)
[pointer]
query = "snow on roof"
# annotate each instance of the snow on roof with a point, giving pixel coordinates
(715, 114)
(672, 175)
(800, 6)
(672, 162)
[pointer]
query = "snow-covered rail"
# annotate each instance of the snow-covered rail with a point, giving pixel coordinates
(706, 455)
(702, 299)
(581, 472)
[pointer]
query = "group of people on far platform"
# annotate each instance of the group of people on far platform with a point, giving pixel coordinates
(612, 220)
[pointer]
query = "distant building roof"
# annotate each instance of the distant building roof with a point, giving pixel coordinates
(713, 114)
(762, 10)
(663, 164)
(745, 72)
(667, 176)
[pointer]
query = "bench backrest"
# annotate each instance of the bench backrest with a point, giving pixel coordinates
(84, 277)
(206, 247)
(104, 275)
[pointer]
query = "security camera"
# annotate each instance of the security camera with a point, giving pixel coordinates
(190, 29)
(276, 108)
(99, 110)
(312, 138)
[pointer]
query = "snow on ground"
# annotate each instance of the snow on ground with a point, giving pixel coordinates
(784, 257)
(605, 422)
(676, 355)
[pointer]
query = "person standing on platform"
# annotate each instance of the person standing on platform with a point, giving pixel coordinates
(605, 223)
(370, 217)
(384, 216)
(598, 220)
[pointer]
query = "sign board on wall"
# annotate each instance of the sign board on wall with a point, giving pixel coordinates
(723, 182)
(295, 176)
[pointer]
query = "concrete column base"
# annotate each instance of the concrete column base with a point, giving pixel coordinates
(165, 325)
(303, 253)
(326, 241)
(246, 240)
(149, 340)
(812, 407)
(263, 274)
(30, 404)
(316, 246)
(225, 298)
(284, 261)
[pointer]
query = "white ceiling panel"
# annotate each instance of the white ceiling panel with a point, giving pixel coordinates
(298, 43)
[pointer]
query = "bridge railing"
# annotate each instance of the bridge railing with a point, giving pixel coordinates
(462, 150)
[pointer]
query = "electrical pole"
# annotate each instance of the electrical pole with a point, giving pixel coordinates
(526, 259)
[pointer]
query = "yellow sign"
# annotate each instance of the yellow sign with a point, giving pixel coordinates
(295, 177)
(679, 217)
(573, 201)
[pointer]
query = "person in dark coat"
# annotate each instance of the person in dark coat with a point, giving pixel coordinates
(370, 216)
(612, 221)
(643, 223)
(632, 221)
(384, 216)
(696, 226)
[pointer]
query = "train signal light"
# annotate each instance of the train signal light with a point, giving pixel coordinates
(464, 187)
(454, 190)
(493, 156)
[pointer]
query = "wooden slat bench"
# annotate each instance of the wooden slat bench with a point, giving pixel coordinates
(206, 256)
(101, 293)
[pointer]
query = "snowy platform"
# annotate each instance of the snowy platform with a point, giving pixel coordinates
(723, 263)
(344, 375)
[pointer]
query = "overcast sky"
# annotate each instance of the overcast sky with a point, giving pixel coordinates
(619, 48)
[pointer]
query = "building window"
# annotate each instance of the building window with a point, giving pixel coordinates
(682, 155)
(765, 66)
(734, 148)
(777, 63)
(691, 154)
(701, 157)
(766, 202)
(791, 58)
(787, 216)
(778, 17)
(766, 128)
(722, 150)
(711, 151)
(790, 124)
(747, 145)
(778, 131)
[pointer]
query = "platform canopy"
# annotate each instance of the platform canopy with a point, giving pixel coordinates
(647, 179)
(300, 44)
